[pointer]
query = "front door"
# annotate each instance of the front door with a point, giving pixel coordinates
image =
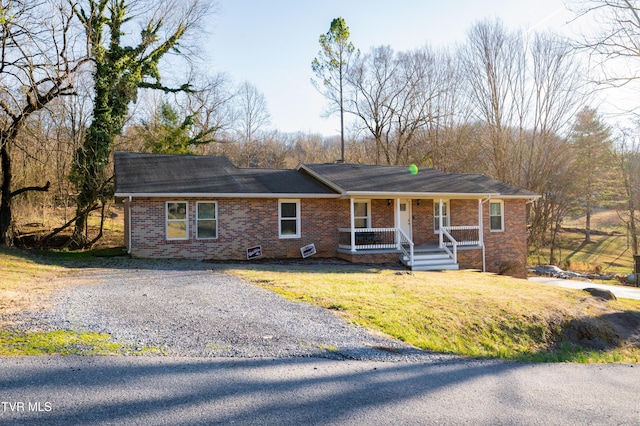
(404, 219)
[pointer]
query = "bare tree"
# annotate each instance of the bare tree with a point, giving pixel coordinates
(611, 38)
(446, 140)
(37, 60)
(495, 63)
(252, 115)
(525, 89)
(211, 104)
(628, 163)
(392, 96)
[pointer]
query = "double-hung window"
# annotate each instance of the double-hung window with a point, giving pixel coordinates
(362, 214)
(289, 218)
(496, 216)
(206, 220)
(177, 223)
(436, 214)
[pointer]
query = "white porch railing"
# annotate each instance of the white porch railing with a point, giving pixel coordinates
(377, 238)
(368, 238)
(464, 235)
(446, 240)
(454, 236)
(405, 245)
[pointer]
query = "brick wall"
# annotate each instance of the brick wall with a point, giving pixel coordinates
(506, 252)
(382, 214)
(242, 223)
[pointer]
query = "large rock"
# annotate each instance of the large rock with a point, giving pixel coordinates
(603, 294)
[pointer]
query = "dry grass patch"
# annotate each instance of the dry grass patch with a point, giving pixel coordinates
(467, 313)
(25, 283)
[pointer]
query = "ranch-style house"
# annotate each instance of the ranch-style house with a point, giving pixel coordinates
(204, 207)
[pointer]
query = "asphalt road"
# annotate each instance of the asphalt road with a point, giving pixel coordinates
(620, 291)
(307, 391)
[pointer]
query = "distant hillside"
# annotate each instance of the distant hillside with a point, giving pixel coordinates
(609, 253)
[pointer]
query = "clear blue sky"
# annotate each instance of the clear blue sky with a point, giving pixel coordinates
(272, 43)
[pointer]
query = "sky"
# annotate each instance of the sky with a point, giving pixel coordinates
(271, 43)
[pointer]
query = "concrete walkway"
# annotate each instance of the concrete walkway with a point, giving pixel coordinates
(621, 292)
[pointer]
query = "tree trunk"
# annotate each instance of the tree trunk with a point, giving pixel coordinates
(633, 230)
(587, 227)
(6, 233)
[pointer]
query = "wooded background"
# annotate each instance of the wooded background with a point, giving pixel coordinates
(79, 80)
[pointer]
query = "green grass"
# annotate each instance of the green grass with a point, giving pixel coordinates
(462, 312)
(58, 342)
(66, 342)
(609, 254)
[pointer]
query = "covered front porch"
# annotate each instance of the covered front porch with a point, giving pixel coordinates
(426, 233)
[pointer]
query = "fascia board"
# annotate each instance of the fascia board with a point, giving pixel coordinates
(370, 194)
(220, 195)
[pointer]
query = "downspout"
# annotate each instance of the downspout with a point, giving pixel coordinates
(129, 223)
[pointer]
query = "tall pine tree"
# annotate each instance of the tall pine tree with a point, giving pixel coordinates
(593, 162)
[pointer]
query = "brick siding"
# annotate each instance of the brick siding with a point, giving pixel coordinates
(248, 222)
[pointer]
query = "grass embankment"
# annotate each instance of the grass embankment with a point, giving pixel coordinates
(469, 313)
(26, 283)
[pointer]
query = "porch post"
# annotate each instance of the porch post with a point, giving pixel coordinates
(353, 225)
(440, 223)
(396, 220)
(481, 233)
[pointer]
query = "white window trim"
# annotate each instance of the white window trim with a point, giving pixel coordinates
(436, 211)
(198, 219)
(501, 202)
(167, 220)
(280, 218)
(368, 217)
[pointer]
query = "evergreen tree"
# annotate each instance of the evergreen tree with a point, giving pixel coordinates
(593, 162)
(170, 134)
(331, 66)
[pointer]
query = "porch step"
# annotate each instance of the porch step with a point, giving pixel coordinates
(434, 261)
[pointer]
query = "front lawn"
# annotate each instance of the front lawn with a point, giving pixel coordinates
(467, 313)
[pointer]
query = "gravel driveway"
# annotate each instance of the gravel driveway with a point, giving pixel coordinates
(188, 308)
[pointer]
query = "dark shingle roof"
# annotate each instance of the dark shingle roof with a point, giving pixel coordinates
(398, 179)
(193, 174)
(157, 174)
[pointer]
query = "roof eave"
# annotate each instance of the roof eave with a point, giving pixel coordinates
(220, 195)
(459, 195)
